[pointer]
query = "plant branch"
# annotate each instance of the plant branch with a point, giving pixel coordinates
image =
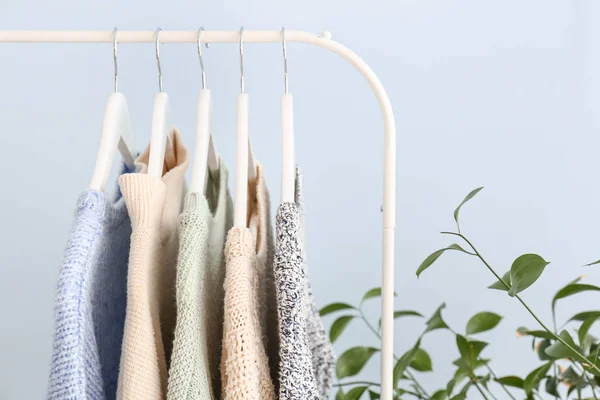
(479, 388)
(356, 383)
(417, 395)
(408, 373)
(416, 382)
(593, 388)
(556, 337)
(592, 380)
(369, 383)
(371, 327)
(490, 392)
(496, 377)
(554, 366)
(584, 375)
(490, 370)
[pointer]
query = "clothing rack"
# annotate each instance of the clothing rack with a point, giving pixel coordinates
(274, 36)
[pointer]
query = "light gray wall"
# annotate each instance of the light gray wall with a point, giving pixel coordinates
(496, 93)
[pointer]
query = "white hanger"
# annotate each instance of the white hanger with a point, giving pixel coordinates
(245, 166)
(161, 137)
(206, 159)
(288, 171)
(116, 133)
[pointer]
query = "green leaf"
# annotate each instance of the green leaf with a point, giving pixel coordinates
(466, 388)
(541, 350)
(339, 395)
(436, 321)
(462, 344)
(558, 350)
(483, 321)
(592, 263)
(403, 313)
(404, 361)
(462, 203)
(579, 386)
(435, 255)
(588, 342)
(375, 292)
(407, 313)
(374, 395)
(572, 289)
(524, 271)
(338, 327)
(460, 374)
(352, 361)
(463, 371)
(499, 285)
(460, 396)
(532, 381)
(511, 380)
(439, 395)
(355, 393)
(570, 376)
(584, 329)
(450, 385)
(455, 246)
(421, 361)
(552, 386)
(469, 352)
(333, 307)
(522, 331)
(582, 316)
(484, 380)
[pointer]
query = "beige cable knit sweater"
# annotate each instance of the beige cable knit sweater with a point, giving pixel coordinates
(154, 205)
(203, 225)
(248, 331)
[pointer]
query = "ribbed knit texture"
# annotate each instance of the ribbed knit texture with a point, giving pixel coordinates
(154, 205)
(90, 301)
(203, 225)
(296, 375)
(245, 365)
(321, 349)
(323, 356)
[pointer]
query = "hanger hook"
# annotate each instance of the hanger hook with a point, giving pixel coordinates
(115, 59)
(242, 59)
(200, 56)
(285, 71)
(160, 84)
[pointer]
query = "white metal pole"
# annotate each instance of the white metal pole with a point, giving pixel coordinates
(323, 40)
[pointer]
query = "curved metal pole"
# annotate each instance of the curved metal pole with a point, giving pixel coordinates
(324, 40)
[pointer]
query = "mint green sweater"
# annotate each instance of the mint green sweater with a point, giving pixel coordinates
(203, 225)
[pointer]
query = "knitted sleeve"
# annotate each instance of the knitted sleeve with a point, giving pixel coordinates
(244, 364)
(296, 376)
(75, 366)
(189, 375)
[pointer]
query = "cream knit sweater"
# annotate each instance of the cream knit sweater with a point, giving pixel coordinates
(261, 227)
(203, 225)
(154, 205)
(247, 333)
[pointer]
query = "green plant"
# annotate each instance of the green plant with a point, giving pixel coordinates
(569, 368)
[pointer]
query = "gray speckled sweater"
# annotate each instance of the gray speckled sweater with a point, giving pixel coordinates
(323, 356)
(306, 356)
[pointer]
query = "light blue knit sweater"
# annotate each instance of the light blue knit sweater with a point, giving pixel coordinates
(90, 302)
